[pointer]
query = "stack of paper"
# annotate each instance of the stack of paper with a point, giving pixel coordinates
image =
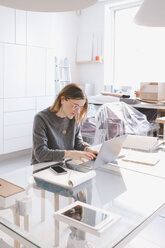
(145, 158)
(144, 143)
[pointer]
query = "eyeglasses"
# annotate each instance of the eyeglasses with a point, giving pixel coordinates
(75, 106)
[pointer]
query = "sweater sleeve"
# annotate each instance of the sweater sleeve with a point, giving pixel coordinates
(79, 143)
(40, 143)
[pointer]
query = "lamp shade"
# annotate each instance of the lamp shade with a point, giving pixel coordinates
(151, 13)
(48, 5)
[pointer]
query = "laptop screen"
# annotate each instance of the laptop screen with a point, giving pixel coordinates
(108, 152)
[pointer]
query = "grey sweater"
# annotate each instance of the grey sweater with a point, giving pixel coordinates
(49, 139)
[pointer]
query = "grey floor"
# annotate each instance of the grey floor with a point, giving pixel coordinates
(153, 236)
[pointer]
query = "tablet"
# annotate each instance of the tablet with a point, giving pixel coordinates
(86, 217)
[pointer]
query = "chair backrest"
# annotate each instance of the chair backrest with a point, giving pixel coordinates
(118, 118)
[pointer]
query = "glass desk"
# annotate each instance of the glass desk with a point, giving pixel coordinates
(136, 197)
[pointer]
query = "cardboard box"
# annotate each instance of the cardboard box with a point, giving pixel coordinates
(153, 91)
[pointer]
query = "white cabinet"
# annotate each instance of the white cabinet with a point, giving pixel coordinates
(1, 126)
(7, 24)
(14, 71)
(18, 123)
(36, 58)
(1, 70)
(18, 130)
(21, 27)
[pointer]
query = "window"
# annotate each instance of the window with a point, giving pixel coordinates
(137, 54)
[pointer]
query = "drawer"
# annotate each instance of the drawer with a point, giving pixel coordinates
(1, 133)
(1, 126)
(19, 130)
(17, 144)
(19, 104)
(19, 117)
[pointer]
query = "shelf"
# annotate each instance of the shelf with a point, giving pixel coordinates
(89, 62)
(60, 66)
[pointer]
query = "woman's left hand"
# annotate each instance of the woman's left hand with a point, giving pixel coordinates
(91, 150)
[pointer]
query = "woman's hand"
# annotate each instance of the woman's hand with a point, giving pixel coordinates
(79, 155)
(91, 150)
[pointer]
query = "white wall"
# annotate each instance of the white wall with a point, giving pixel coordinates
(92, 22)
(28, 43)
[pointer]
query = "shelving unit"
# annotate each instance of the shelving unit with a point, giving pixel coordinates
(62, 75)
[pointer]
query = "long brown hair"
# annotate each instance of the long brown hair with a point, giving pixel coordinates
(72, 91)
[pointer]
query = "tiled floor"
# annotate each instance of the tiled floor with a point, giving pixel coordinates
(153, 236)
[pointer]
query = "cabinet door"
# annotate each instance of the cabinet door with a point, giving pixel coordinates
(36, 58)
(14, 71)
(40, 30)
(50, 71)
(7, 24)
(1, 126)
(21, 27)
(1, 70)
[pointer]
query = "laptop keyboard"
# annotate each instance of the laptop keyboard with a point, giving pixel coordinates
(87, 163)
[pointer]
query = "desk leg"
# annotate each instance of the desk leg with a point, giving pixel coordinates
(70, 200)
(16, 222)
(26, 223)
(56, 223)
(42, 205)
(164, 131)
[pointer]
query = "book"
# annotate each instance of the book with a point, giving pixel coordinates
(69, 180)
(144, 143)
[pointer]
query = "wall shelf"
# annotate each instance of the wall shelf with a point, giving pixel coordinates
(89, 62)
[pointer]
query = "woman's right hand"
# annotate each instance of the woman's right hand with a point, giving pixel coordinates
(79, 155)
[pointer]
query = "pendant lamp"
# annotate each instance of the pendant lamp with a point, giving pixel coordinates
(48, 5)
(151, 13)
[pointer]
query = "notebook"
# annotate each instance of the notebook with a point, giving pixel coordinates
(108, 152)
(69, 180)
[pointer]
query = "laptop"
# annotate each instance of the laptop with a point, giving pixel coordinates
(108, 152)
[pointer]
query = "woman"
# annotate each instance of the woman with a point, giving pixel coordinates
(57, 136)
(56, 132)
